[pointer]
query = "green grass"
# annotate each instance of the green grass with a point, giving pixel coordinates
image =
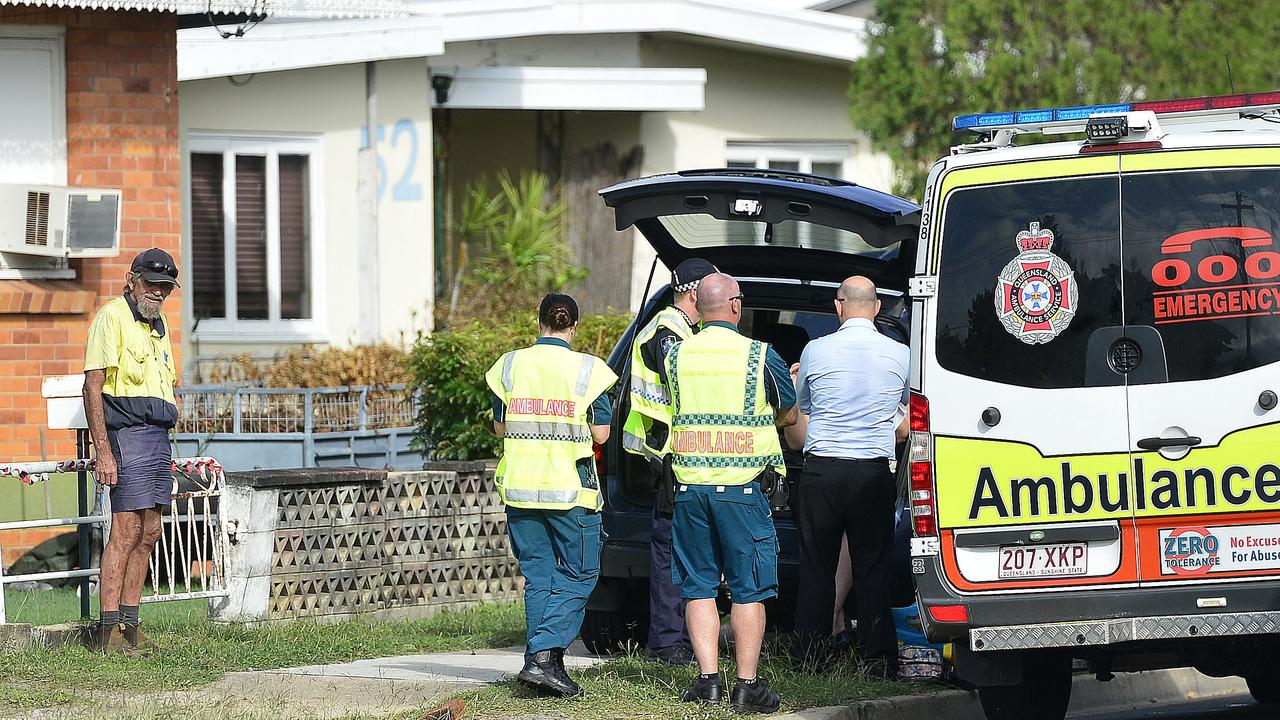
(632, 687)
(194, 651)
(52, 607)
(14, 697)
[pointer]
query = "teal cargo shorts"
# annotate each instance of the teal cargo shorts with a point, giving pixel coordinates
(724, 529)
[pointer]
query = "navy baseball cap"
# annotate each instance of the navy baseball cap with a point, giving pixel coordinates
(156, 266)
(689, 273)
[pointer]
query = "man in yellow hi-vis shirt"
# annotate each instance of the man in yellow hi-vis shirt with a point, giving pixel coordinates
(129, 403)
(729, 395)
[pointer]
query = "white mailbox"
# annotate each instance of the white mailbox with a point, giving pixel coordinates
(65, 403)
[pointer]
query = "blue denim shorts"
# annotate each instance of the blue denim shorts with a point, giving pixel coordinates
(144, 464)
(724, 529)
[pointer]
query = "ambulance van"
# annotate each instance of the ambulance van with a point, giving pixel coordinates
(1094, 462)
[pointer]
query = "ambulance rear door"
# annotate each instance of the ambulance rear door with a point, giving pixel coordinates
(1201, 247)
(1030, 431)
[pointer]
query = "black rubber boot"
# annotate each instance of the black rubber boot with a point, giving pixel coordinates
(753, 697)
(706, 690)
(542, 673)
(678, 655)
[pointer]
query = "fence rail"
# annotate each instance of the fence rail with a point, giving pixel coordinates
(211, 409)
(189, 560)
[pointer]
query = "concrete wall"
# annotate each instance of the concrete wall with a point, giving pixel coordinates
(329, 104)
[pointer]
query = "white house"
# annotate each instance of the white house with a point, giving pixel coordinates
(281, 249)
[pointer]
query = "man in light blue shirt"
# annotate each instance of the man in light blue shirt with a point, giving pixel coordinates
(850, 386)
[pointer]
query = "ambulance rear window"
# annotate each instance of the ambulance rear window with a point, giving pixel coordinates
(1202, 267)
(996, 317)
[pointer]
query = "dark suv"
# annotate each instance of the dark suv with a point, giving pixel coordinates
(789, 239)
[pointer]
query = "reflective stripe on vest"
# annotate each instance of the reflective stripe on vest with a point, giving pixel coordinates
(723, 429)
(650, 399)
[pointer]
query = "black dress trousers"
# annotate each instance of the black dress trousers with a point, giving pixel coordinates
(856, 498)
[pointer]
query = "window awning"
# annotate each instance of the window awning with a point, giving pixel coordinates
(268, 8)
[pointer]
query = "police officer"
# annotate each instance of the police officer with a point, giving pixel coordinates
(647, 433)
(729, 394)
(550, 404)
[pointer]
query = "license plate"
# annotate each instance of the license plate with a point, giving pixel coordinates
(1025, 561)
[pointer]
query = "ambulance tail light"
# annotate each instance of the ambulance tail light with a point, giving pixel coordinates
(924, 507)
(949, 613)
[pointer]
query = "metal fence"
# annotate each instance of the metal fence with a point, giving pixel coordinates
(261, 428)
(189, 560)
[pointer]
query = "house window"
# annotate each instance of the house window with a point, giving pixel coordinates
(829, 159)
(254, 245)
(33, 141)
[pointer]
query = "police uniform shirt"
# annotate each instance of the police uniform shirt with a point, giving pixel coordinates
(654, 353)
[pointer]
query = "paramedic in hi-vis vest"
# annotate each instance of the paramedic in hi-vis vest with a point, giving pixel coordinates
(729, 394)
(647, 433)
(551, 403)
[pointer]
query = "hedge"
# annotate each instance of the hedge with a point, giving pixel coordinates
(455, 416)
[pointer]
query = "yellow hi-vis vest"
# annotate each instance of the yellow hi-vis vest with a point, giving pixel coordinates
(548, 391)
(650, 400)
(722, 430)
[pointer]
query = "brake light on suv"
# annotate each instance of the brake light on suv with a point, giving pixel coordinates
(924, 508)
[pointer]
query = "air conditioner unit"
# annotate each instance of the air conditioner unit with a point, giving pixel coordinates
(59, 222)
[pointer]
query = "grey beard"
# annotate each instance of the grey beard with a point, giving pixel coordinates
(148, 309)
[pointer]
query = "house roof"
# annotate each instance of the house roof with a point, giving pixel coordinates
(759, 23)
(275, 8)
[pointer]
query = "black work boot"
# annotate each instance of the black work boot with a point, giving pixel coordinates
(705, 690)
(754, 696)
(558, 654)
(542, 673)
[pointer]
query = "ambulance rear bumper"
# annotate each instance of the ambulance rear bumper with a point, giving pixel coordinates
(1108, 632)
(1092, 617)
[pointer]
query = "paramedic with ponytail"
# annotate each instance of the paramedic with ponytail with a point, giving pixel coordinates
(550, 404)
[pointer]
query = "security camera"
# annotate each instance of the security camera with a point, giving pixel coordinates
(441, 84)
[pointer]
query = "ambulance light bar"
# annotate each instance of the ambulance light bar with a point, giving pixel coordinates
(1070, 119)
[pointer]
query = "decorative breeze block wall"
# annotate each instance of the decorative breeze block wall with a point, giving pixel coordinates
(329, 544)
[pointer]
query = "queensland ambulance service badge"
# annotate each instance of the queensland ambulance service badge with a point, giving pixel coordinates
(1036, 295)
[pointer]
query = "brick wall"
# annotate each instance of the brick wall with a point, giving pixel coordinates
(122, 132)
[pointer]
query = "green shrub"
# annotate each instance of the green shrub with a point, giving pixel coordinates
(455, 419)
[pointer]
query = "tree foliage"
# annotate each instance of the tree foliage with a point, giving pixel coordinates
(929, 60)
(515, 235)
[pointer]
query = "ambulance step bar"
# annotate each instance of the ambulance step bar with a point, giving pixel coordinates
(1109, 632)
(1072, 119)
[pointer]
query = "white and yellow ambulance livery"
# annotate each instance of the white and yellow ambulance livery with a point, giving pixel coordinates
(1095, 454)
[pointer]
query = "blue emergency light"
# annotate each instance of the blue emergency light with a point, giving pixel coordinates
(1217, 103)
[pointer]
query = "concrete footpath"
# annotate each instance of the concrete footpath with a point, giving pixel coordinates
(396, 685)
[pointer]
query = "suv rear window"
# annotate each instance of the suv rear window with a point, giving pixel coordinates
(978, 242)
(1203, 267)
(700, 230)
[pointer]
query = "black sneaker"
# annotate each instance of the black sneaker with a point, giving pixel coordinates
(709, 691)
(542, 673)
(671, 655)
(753, 697)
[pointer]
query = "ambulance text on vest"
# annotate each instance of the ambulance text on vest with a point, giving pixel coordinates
(707, 442)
